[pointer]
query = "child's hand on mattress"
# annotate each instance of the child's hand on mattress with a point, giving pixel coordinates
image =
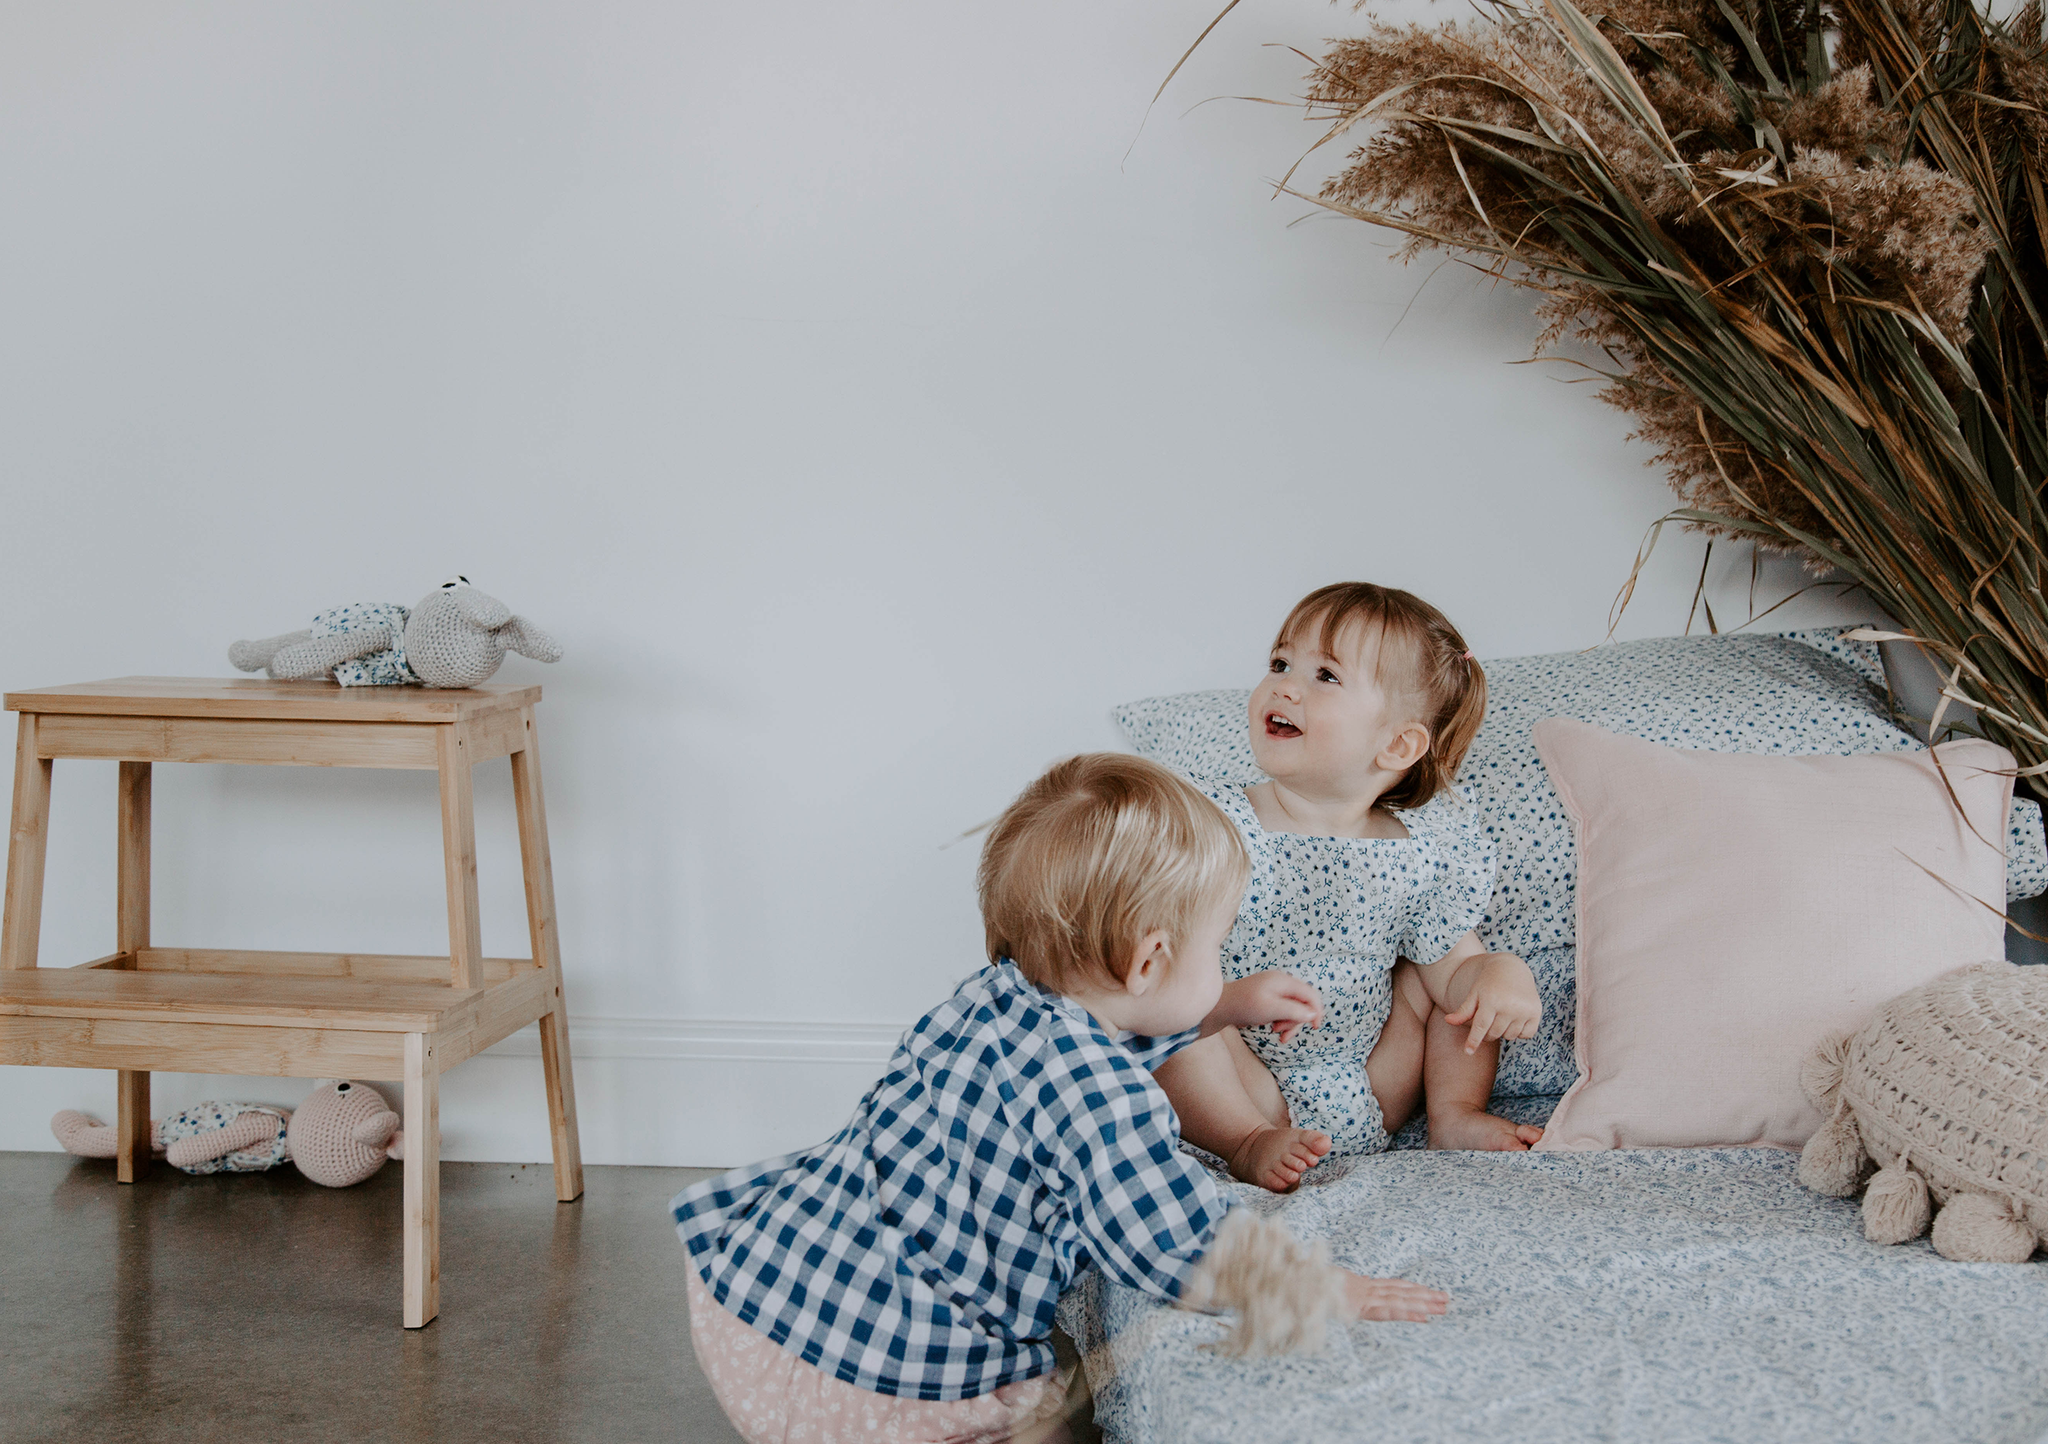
(1502, 1003)
(1392, 1299)
(1274, 999)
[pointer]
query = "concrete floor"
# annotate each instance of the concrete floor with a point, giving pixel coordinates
(262, 1306)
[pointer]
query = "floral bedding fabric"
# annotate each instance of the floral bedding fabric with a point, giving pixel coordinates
(1793, 693)
(1677, 1295)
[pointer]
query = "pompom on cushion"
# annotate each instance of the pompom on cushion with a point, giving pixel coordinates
(1946, 1091)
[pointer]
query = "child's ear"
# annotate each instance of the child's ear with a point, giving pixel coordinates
(1149, 962)
(1406, 748)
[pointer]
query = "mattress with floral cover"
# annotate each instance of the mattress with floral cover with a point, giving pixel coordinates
(1674, 1295)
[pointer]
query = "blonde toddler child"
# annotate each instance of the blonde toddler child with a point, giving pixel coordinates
(1369, 875)
(897, 1282)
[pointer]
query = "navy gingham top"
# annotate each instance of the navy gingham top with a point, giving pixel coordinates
(921, 1251)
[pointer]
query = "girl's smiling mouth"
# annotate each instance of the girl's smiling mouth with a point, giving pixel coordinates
(1278, 726)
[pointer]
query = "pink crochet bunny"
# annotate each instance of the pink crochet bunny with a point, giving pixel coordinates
(340, 1135)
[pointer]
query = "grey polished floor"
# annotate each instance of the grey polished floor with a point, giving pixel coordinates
(266, 1307)
(262, 1306)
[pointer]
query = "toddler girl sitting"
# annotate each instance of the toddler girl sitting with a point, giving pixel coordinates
(897, 1282)
(1368, 875)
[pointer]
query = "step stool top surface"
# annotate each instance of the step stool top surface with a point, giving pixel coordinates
(258, 698)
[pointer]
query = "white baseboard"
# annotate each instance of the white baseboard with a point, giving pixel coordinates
(715, 1041)
(665, 1092)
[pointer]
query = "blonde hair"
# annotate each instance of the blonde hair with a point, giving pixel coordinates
(1437, 670)
(1101, 850)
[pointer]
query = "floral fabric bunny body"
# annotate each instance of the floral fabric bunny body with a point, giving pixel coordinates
(210, 1124)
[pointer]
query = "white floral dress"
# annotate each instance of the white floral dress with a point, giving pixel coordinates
(1339, 912)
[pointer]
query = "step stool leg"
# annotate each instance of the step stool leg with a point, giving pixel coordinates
(131, 1133)
(22, 928)
(554, 1062)
(540, 923)
(458, 848)
(422, 1181)
(131, 935)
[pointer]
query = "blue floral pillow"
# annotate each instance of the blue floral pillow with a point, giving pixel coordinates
(1794, 693)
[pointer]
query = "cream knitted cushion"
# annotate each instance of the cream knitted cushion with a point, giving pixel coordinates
(1947, 1089)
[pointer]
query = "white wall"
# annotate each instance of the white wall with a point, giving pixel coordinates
(863, 422)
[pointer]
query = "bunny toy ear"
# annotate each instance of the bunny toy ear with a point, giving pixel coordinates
(377, 1129)
(480, 609)
(523, 637)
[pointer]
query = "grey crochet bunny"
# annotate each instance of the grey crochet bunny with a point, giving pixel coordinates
(455, 637)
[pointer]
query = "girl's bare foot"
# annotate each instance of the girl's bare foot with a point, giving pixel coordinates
(1276, 1158)
(1475, 1129)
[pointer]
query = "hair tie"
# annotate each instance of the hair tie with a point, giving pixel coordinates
(1470, 658)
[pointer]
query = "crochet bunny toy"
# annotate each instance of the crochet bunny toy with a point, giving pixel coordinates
(1947, 1089)
(455, 637)
(340, 1135)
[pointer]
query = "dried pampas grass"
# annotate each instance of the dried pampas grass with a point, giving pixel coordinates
(1809, 236)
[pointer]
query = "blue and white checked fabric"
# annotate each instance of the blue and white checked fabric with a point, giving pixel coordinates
(922, 1250)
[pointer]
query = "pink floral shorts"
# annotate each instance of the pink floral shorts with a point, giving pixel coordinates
(773, 1397)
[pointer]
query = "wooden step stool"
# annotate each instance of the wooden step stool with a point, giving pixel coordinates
(326, 1015)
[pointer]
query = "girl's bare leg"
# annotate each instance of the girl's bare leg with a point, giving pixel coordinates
(1420, 1058)
(1229, 1103)
(1394, 1067)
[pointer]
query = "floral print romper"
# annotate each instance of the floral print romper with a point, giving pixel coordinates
(1339, 912)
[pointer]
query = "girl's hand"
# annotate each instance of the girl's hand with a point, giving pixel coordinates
(1277, 1000)
(1392, 1299)
(1503, 1002)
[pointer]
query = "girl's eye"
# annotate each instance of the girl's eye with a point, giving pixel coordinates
(1279, 664)
(1324, 674)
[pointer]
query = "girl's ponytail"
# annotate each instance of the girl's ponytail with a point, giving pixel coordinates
(1460, 698)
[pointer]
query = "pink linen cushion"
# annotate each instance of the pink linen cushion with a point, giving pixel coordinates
(1735, 909)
